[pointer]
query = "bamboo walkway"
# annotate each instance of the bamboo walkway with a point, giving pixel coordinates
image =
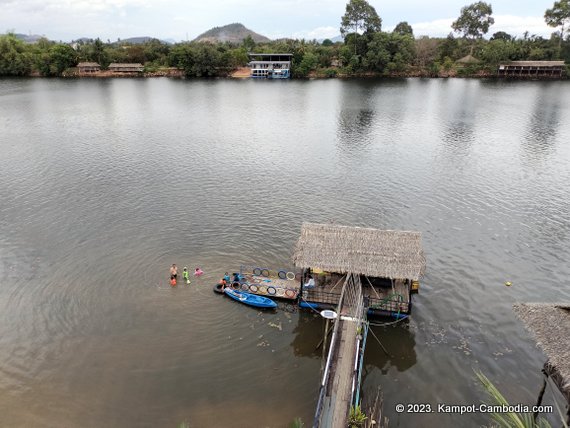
(341, 372)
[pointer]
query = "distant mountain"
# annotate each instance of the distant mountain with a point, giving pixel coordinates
(332, 39)
(137, 40)
(28, 38)
(234, 33)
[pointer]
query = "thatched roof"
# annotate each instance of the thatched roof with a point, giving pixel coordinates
(372, 252)
(126, 65)
(468, 59)
(88, 64)
(534, 63)
(550, 325)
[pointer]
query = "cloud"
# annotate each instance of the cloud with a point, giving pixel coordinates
(73, 5)
(317, 33)
(437, 28)
(511, 24)
(517, 25)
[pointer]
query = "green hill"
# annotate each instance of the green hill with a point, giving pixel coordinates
(234, 33)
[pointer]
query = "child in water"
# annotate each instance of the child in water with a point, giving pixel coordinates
(198, 272)
(185, 276)
(173, 274)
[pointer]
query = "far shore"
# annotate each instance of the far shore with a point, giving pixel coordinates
(244, 73)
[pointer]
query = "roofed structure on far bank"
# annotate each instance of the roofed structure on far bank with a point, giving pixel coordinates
(532, 69)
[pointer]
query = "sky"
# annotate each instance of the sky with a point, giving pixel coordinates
(179, 20)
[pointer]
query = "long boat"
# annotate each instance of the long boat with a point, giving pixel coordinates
(250, 299)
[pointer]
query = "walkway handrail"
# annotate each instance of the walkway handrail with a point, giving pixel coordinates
(322, 388)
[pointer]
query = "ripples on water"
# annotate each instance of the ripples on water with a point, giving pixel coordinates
(104, 183)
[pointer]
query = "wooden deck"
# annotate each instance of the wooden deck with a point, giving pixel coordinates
(379, 295)
(337, 403)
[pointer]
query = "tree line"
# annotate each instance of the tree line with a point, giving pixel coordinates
(366, 49)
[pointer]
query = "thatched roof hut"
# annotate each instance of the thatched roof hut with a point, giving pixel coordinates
(550, 325)
(371, 252)
(467, 60)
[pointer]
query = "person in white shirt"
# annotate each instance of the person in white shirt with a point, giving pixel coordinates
(310, 283)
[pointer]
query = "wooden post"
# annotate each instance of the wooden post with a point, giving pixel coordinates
(540, 394)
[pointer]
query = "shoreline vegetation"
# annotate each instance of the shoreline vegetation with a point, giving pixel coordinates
(366, 51)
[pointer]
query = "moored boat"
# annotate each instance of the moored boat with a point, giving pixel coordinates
(250, 299)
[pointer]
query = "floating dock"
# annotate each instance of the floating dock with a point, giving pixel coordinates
(359, 273)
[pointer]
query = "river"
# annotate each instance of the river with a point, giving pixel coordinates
(106, 182)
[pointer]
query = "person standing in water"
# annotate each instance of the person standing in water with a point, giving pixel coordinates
(185, 274)
(173, 272)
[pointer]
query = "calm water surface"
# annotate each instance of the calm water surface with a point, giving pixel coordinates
(105, 183)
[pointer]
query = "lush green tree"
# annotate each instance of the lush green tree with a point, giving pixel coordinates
(156, 51)
(558, 16)
(474, 21)
(426, 49)
(135, 54)
(308, 64)
(449, 47)
(15, 60)
(496, 51)
(248, 43)
(501, 35)
(327, 42)
(202, 59)
(55, 60)
(360, 16)
(404, 29)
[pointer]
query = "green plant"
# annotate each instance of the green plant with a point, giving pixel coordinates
(356, 417)
(509, 419)
(297, 423)
(330, 72)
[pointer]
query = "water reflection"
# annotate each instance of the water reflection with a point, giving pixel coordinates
(308, 333)
(458, 114)
(398, 340)
(543, 123)
(355, 117)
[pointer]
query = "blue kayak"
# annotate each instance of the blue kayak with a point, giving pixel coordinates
(250, 299)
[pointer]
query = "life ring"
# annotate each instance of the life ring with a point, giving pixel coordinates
(289, 293)
(290, 276)
(236, 285)
(265, 272)
(298, 276)
(244, 286)
(253, 288)
(271, 291)
(257, 271)
(262, 290)
(280, 292)
(218, 289)
(282, 274)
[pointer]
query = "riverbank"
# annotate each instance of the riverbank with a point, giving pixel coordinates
(160, 72)
(340, 73)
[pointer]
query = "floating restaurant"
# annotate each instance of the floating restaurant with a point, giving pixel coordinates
(126, 67)
(88, 67)
(389, 264)
(347, 275)
(550, 326)
(532, 69)
(270, 66)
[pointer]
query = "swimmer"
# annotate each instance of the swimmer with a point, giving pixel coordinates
(185, 274)
(198, 272)
(173, 274)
